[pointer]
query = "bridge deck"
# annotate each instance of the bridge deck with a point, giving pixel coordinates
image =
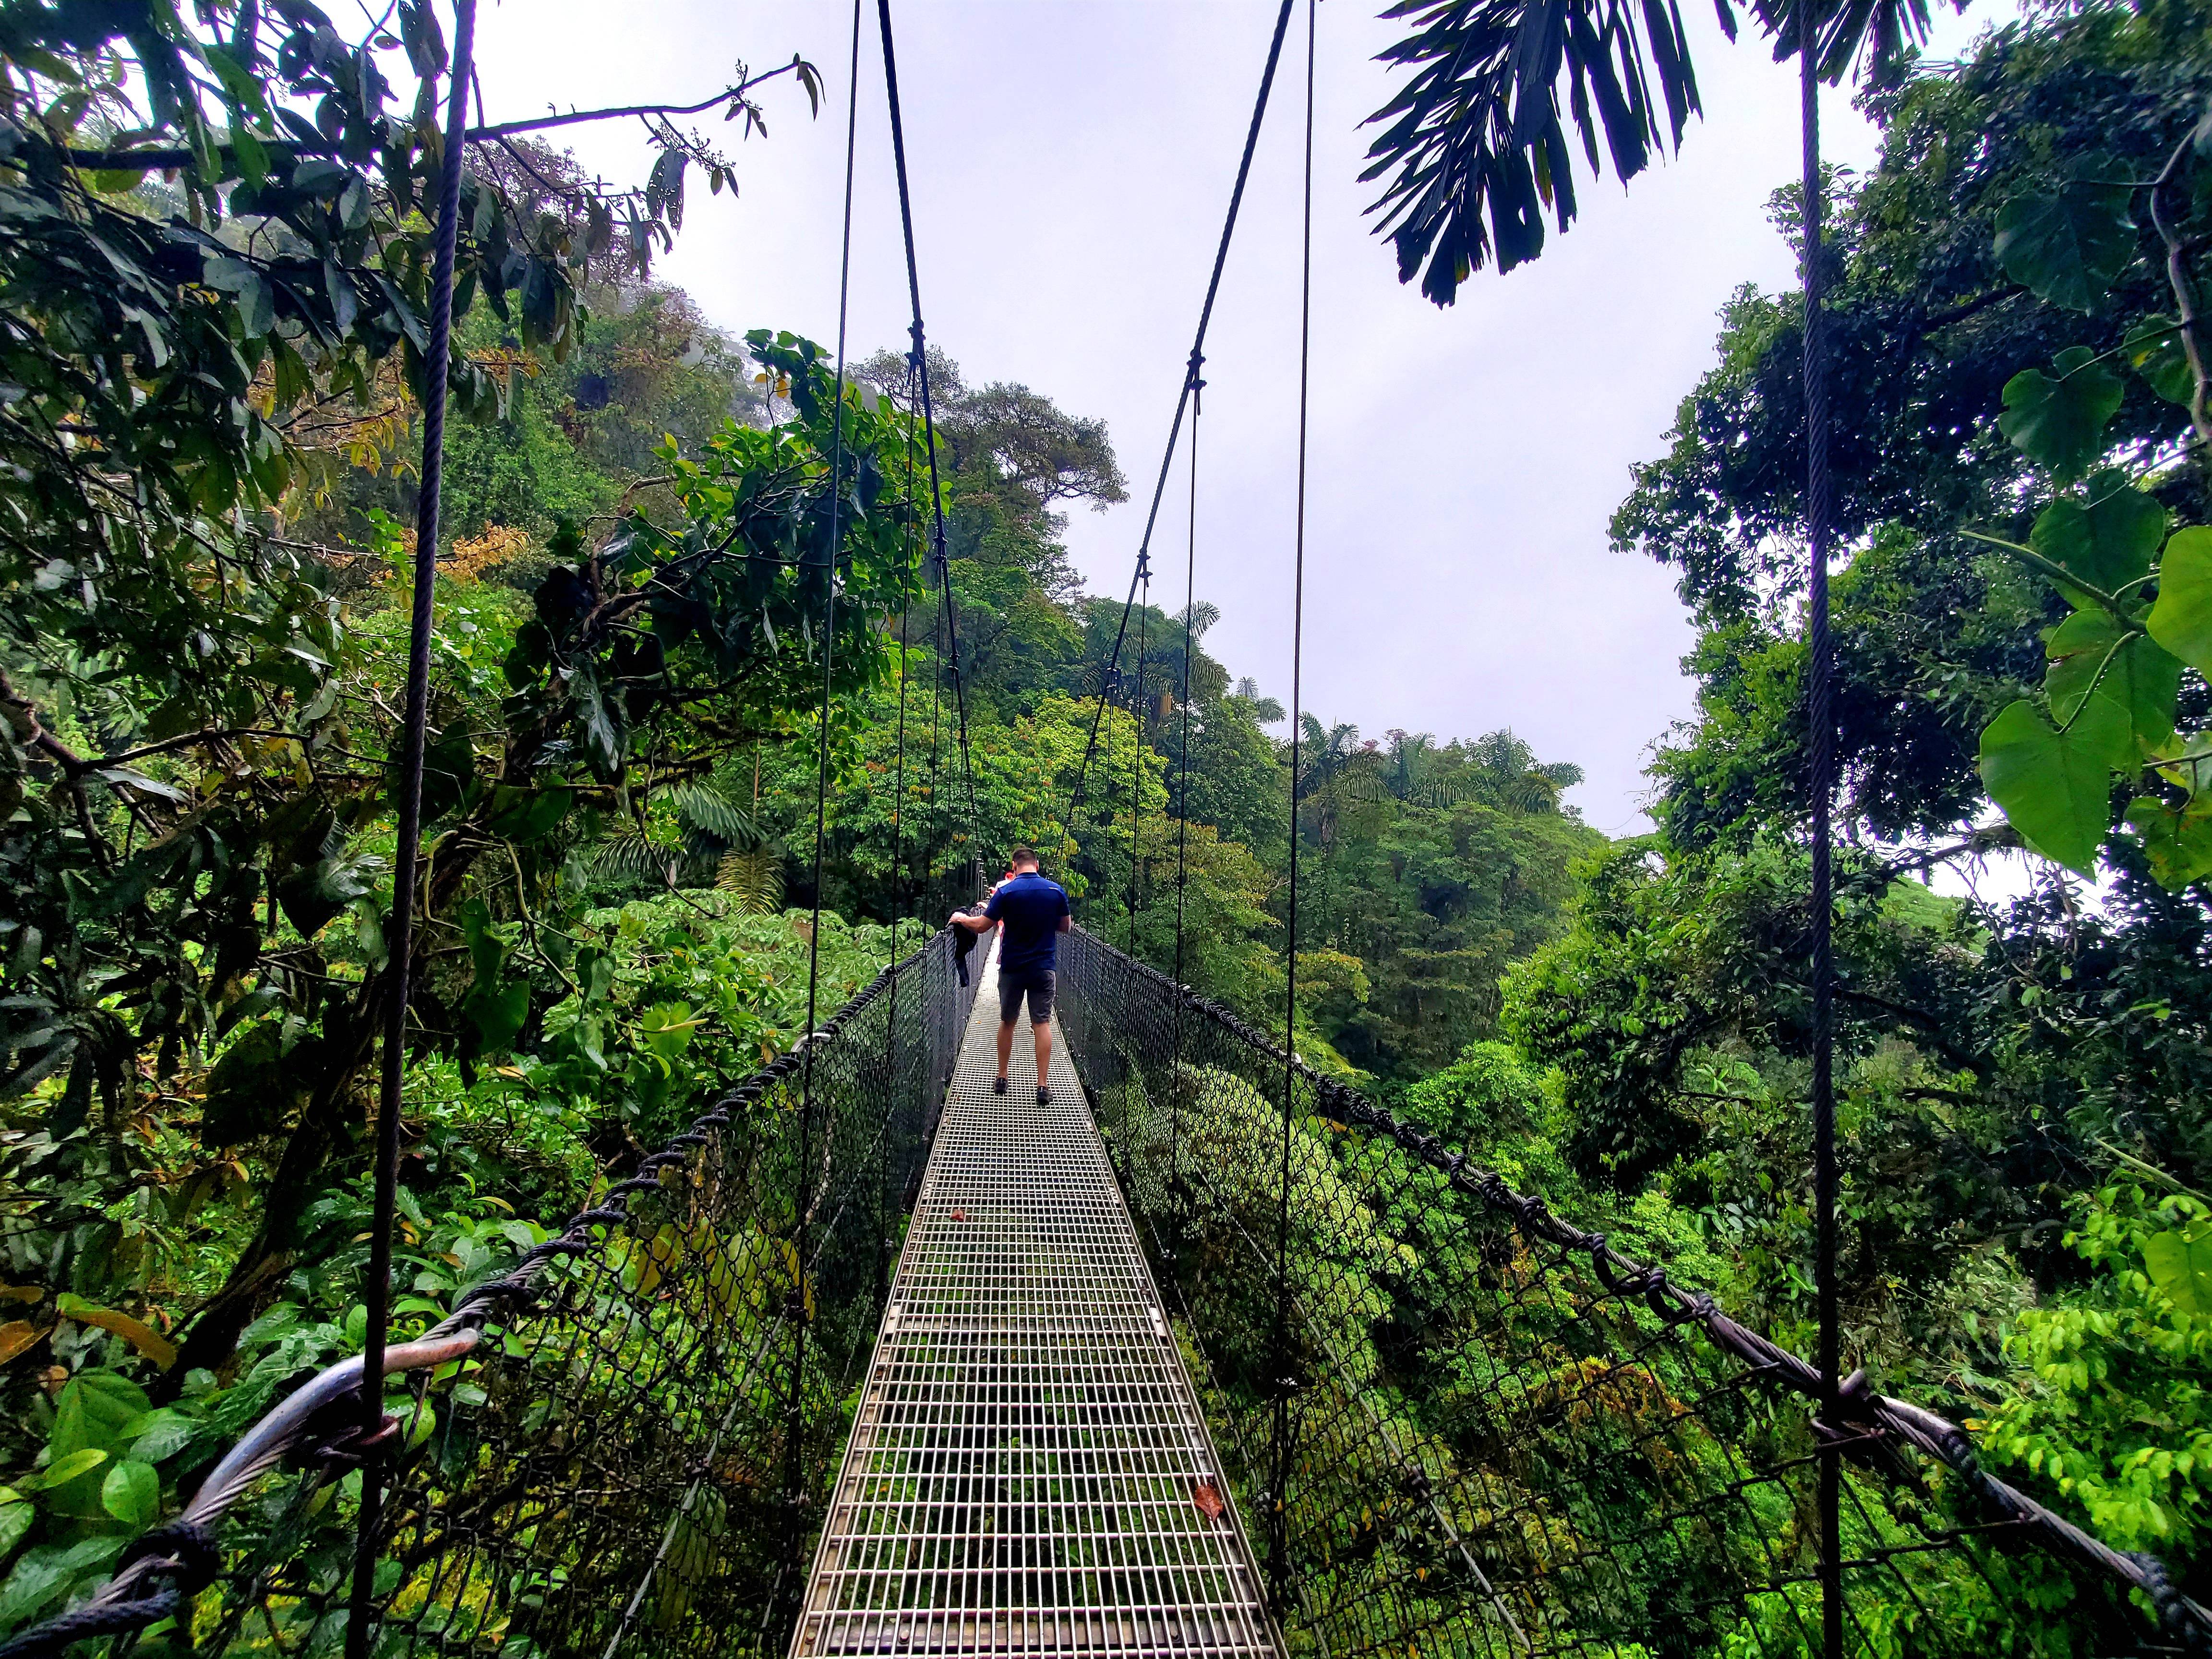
(1029, 1472)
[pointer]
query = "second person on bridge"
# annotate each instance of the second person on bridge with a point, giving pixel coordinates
(1034, 911)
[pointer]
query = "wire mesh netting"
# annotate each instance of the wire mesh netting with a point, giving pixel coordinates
(1463, 1425)
(631, 1454)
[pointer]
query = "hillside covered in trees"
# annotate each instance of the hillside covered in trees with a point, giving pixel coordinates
(200, 677)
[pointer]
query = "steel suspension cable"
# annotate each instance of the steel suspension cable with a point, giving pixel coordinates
(407, 862)
(899, 785)
(1277, 1537)
(1182, 786)
(1182, 404)
(920, 360)
(1820, 735)
(803, 1175)
(1136, 764)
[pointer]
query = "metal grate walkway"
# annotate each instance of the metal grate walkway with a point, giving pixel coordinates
(1029, 1472)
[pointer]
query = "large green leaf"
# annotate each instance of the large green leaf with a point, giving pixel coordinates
(2058, 422)
(2181, 621)
(449, 771)
(2107, 540)
(2153, 351)
(2091, 653)
(2055, 787)
(91, 1412)
(497, 1012)
(253, 1088)
(2178, 844)
(2069, 244)
(523, 815)
(2179, 1262)
(131, 1492)
(313, 893)
(47, 1575)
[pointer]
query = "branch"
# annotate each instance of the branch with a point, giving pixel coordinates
(2185, 293)
(1960, 313)
(2060, 573)
(507, 129)
(186, 741)
(171, 158)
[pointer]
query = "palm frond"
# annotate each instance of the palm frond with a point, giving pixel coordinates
(1477, 138)
(1532, 792)
(1476, 135)
(705, 807)
(754, 877)
(631, 856)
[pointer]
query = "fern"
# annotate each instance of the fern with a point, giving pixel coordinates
(754, 877)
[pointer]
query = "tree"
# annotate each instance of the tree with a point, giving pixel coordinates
(199, 726)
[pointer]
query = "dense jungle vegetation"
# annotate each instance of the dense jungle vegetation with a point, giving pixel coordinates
(210, 387)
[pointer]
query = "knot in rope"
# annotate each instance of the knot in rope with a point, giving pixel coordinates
(182, 1550)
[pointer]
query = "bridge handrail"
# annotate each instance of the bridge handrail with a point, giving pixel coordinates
(1931, 1432)
(182, 1553)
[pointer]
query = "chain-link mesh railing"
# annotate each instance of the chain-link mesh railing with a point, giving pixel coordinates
(621, 1446)
(1463, 1425)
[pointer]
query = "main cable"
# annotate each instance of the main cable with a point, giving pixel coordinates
(1137, 764)
(1183, 403)
(407, 863)
(1278, 1539)
(1821, 756)
(920, 358)
(801, 1195)
(1182, 793)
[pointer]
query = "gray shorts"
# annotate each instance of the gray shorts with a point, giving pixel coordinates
(1034, 983)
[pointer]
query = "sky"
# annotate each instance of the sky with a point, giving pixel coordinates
(1071, 161)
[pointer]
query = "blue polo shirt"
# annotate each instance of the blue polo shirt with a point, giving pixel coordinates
(1029, 908)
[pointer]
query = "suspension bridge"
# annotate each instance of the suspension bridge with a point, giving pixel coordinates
(1206, 1354)
(1186, 1361)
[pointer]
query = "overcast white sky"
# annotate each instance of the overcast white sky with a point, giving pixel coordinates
(1071, 161)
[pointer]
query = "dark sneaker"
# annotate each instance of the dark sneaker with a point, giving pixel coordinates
(998, 1085)
(1044, 1095)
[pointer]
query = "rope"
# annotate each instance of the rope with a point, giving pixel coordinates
(408, 857)
(1822, 764)
(920, 358)
(801, 1206)
(1182, 402)
(1277, 1498)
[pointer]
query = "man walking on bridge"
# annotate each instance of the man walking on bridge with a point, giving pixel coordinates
(1034, 913)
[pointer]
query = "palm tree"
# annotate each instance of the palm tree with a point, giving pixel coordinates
(1478, 133)
(1334, 770)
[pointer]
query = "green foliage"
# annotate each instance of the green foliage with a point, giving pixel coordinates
(2055, 784)
(2068, 245)
(2058, 421)
(2112, 1409)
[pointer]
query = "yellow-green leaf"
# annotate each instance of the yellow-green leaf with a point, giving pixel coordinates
(2091, 654)
(138, 1334)
(131, 1492)
(2179, 1262)
(2181, 621)
(2178, 844)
